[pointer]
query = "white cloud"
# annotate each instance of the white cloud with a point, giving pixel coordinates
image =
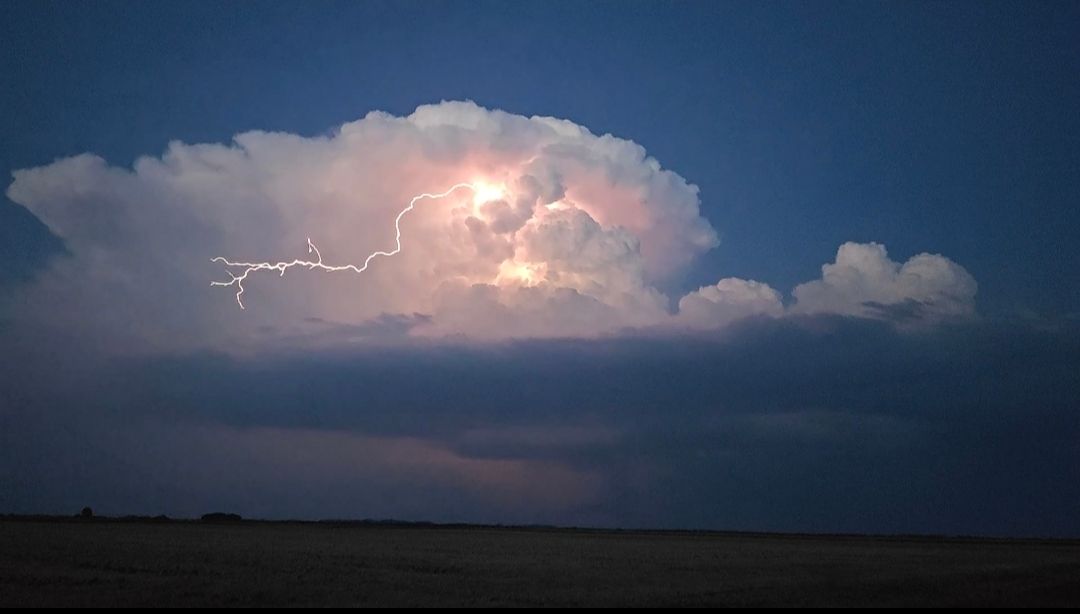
(570, 240)
(864, 282)
(729, 300)
(571, 237)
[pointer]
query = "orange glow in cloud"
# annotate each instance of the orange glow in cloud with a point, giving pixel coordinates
(525, 274)
(486, 192)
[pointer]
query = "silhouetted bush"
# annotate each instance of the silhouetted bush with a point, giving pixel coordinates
(221, 517)
(86, 513)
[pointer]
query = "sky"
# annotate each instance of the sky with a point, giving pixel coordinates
(724, 265)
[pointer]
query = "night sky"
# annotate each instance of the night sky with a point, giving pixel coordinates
(751, 265)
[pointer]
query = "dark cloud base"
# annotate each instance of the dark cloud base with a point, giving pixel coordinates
(798, 424)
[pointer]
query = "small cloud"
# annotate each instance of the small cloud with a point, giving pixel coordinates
(865, 282)
(727, 301)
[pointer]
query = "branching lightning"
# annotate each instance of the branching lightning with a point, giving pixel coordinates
(247, 268)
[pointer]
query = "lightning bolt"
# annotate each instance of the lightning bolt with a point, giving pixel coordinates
(247, 268)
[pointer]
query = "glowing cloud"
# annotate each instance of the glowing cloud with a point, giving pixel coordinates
(542, 229)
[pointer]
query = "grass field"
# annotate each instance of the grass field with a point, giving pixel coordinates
(66, 563)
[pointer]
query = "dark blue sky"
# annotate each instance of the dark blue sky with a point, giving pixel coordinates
(941, 127)
(949, 128)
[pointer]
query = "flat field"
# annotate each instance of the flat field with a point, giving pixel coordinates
(116, 563)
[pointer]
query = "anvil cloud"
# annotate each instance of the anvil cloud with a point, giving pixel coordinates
(575, 240)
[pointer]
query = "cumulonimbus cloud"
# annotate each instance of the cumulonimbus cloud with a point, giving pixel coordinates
(569, 234)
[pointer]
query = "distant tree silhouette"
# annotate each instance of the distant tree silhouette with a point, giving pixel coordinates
(221, 517)
(86, 513)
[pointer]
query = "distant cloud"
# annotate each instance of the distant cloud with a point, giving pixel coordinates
(864, 282)
(727, 301)
(572, 236)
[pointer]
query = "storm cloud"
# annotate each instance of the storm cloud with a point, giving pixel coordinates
(515, 362)
(824, 423)
(562, 233)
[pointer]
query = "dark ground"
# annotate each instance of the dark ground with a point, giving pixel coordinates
(111, 563)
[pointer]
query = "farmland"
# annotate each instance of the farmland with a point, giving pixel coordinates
(115, 563)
